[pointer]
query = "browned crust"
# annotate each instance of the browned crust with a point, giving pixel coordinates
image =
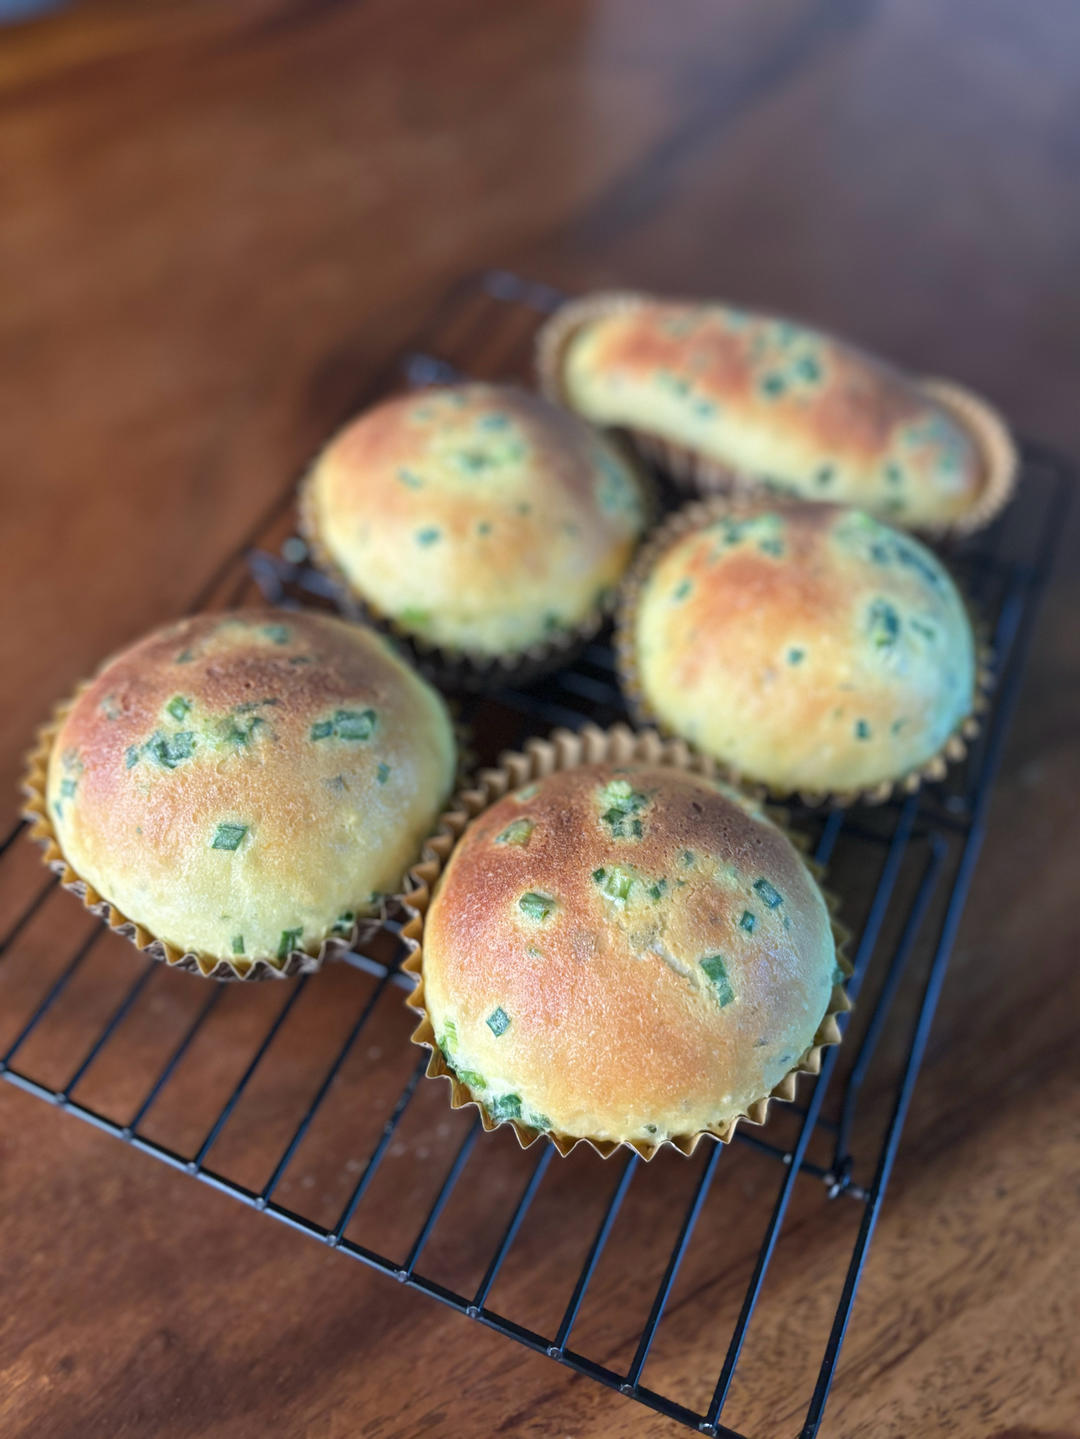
(700, 474)
(561, 751)
(462, 668)
(696, 515)
(320, 689)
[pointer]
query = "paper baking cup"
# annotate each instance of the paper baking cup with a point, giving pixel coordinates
(298, 961)
(700, 474)
(562, 750)
(460, 669)
(697, 515)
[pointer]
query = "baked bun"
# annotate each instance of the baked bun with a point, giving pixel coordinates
(808, 647)
(478, 518)
(626, 954)
(243, 785)
(765, 399)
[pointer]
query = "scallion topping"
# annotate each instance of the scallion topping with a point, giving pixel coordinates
(536, 906)
(772, 897)
(228, 836)
(498, 1022)
(716, 973)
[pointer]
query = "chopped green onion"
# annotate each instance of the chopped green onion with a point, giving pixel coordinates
(498, 1022)
(656, 891)
(771, 896)
(344, 923)
(279, 634)
(884, 624)
(862, 729)
(622, 803)
(537, 906)
(171, 750)
(428, 536)
(228, 836)
(516, 833)
(382, 774)
(67, 787)
(238, 944)
(471, 1079)
(131, 756)
(290, 940)
(688, 857)
(506, 1106)
(178, 707)
(616, 883)
(748, 921)
(795, 656)
(682, 590)
(354, 724)
(323, 730)
(717, 975)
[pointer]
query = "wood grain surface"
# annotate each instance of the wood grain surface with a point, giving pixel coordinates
(215, 219)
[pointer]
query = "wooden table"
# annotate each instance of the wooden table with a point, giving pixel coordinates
(215, 218)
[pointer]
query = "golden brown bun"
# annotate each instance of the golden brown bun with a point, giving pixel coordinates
(589, 1009)
(242, 784)
(478, 517)
(809, 647)
(767, 398)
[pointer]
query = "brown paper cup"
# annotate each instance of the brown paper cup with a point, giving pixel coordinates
(465, 670)
(700, 513)
(700, 474)
(562, 750)
(298, 961)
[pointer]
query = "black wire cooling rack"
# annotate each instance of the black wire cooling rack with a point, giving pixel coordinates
(308, 1098)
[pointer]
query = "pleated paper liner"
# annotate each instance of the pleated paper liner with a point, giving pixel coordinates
(697, 473)
(696, 515)
(469, 671)
(297, 961)
(562, 750)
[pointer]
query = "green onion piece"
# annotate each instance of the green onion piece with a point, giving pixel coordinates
(656, 890)
(717, 975)
(516, 833)
(450, 1031)
(862, 729)
(772, 897)
(884, 624)
(354, 724)
(498, 1022)
(688, 857)
(178, 707)
(290, 940)
(682, 590)
(228, 836)
(171, 750)
(67, 787)
(279, 634)
(536, 906)
(506, 1106)
(131, 757)
(382, 774)
(795, 656)
(428, 536)
(748, 921)
(471, 1079)
(616, 883)
(323, 730)
(539, 1121)
(238, 944)
(344, 923)
(623, 803)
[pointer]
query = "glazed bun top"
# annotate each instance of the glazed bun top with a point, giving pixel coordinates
(242, 785)
(625, 953)
(477, 517)
(767, 397)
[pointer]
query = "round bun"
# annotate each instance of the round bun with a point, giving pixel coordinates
(808, 647)
(627, 954)
(477, 517)
(243, 785)
(767, 397)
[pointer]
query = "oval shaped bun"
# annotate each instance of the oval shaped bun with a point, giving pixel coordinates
(478, 517)
(809, 647)
(244, 784)
(768, 398)
(625, 954)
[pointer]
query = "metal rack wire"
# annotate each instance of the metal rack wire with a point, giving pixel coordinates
(95, 1029)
